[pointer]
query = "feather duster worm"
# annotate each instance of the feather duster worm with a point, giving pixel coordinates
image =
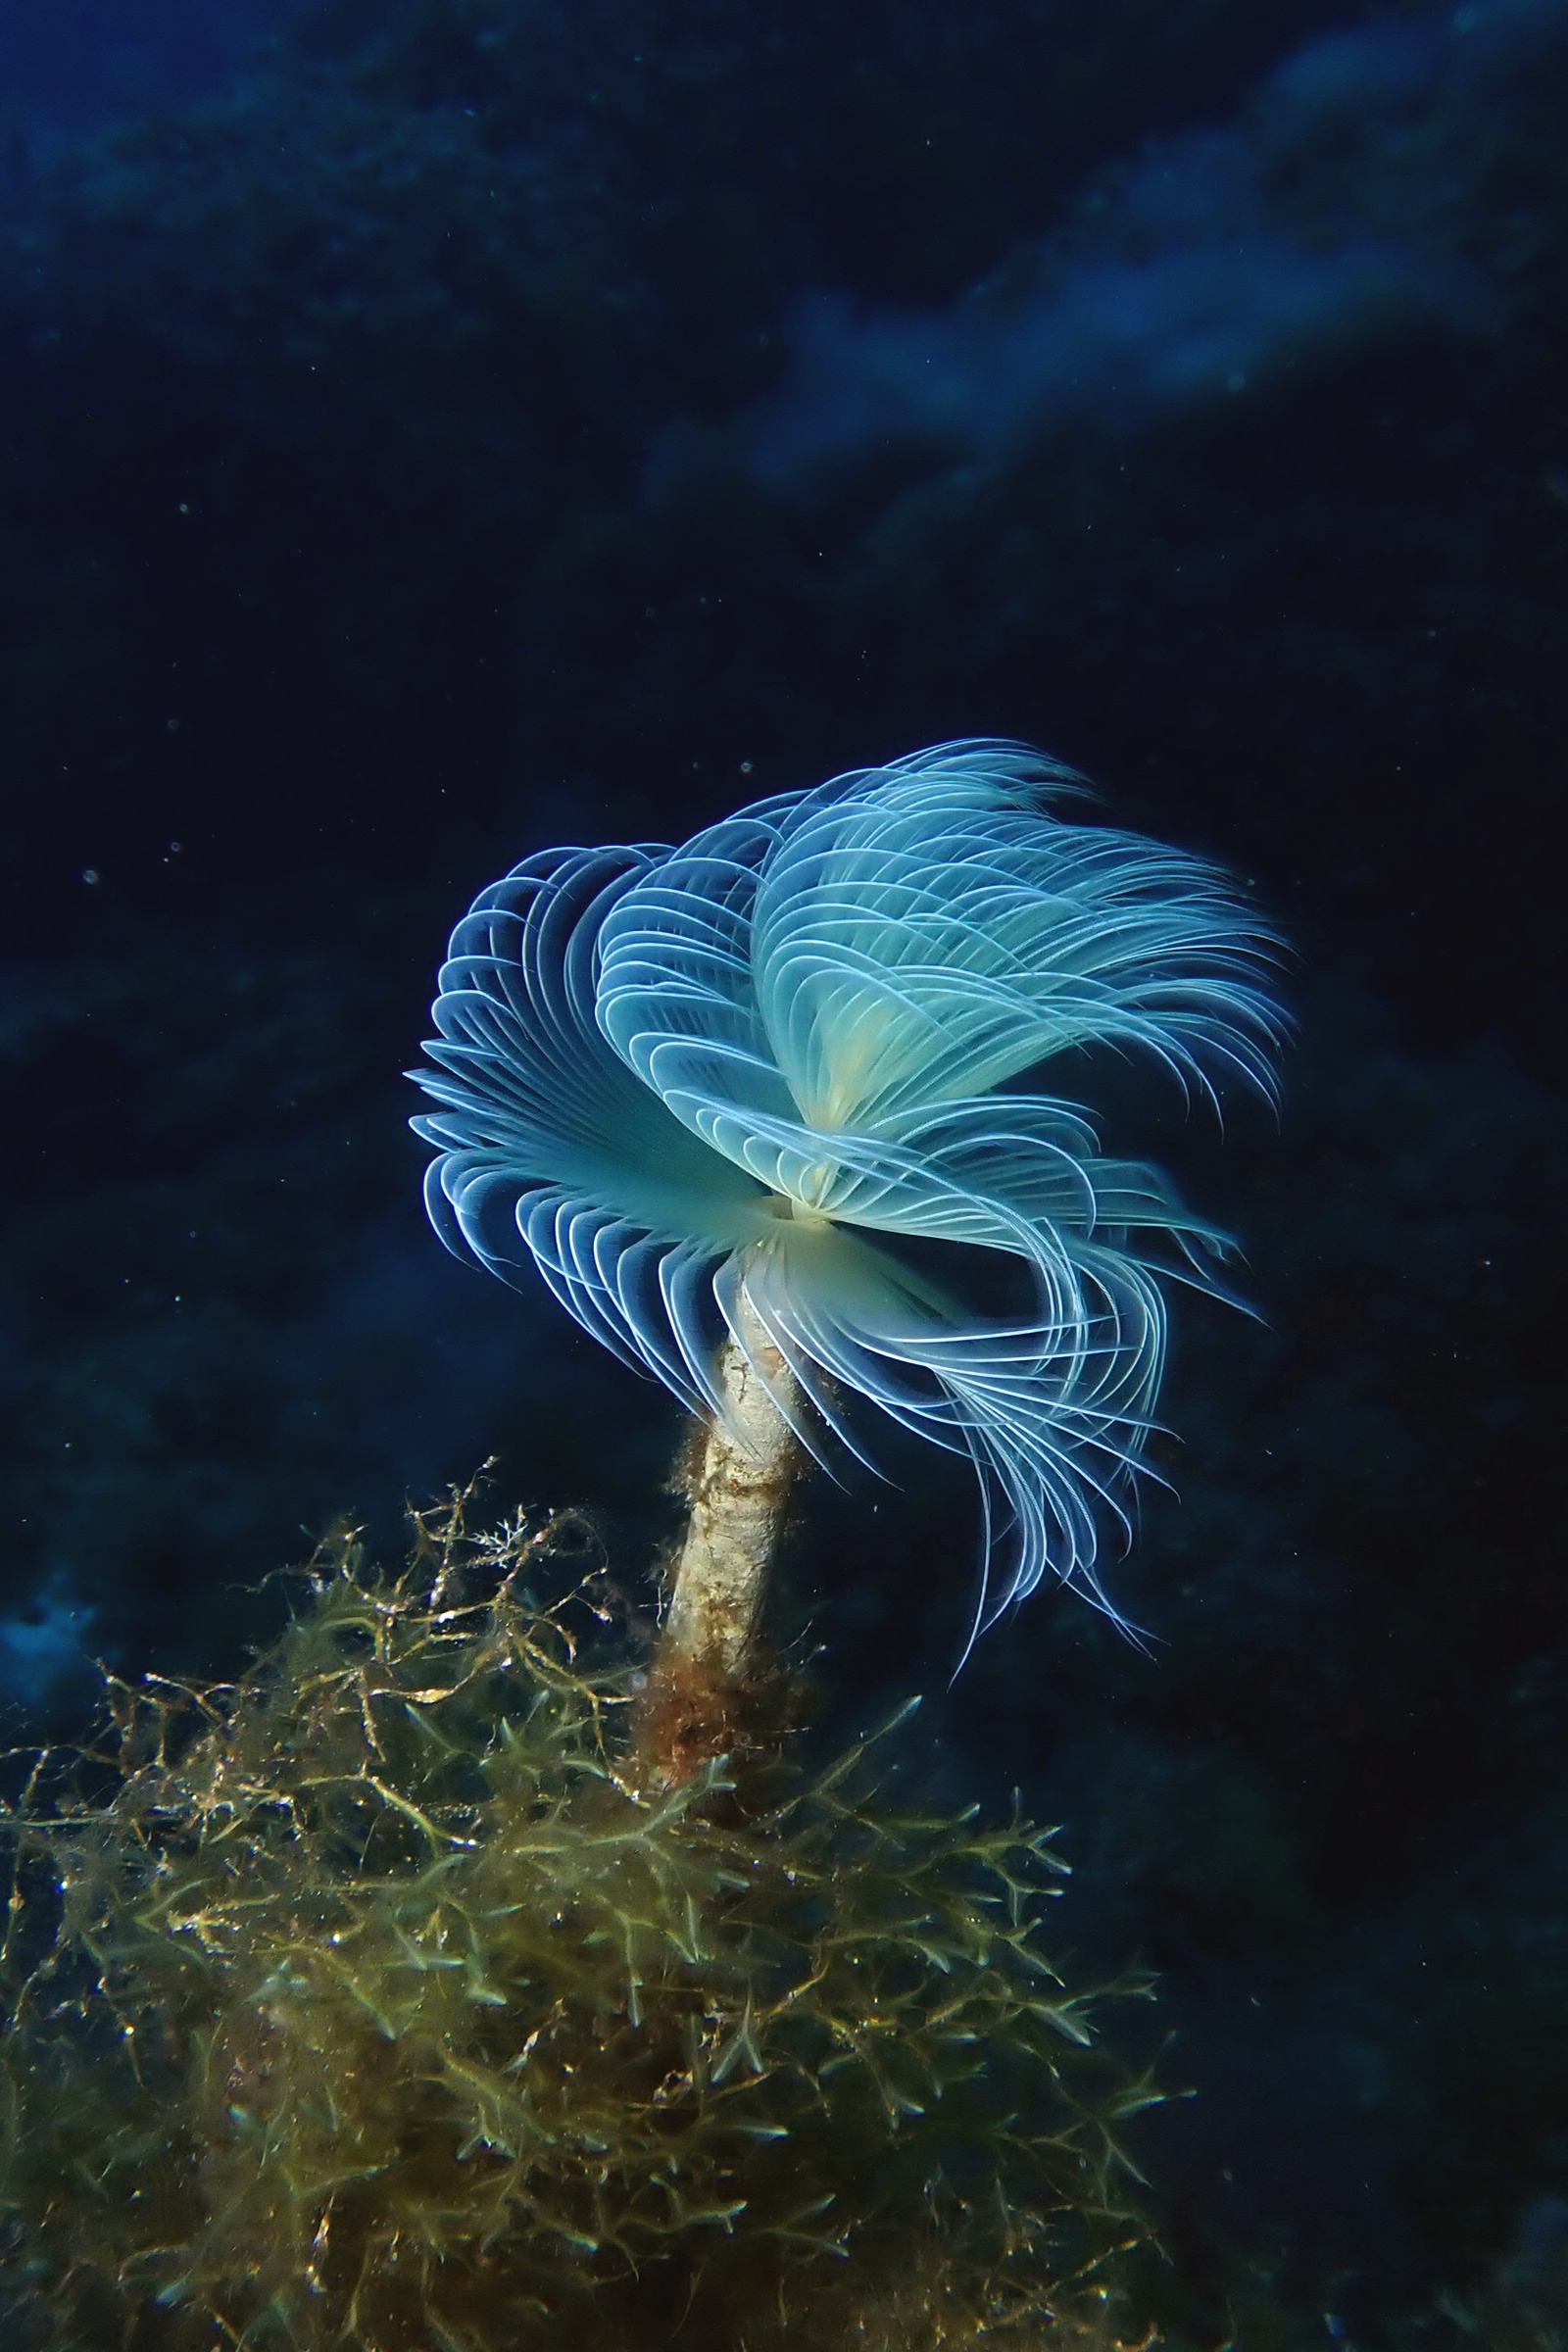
(784, 1083)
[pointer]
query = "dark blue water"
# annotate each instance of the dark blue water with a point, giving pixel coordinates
(72, 70)
(467, 427)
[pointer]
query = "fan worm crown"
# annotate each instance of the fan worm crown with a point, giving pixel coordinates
(739, 1087)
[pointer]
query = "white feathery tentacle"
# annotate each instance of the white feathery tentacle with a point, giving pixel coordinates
(735, 1094)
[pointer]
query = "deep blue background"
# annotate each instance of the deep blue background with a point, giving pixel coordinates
(476, 423)
(70, 69)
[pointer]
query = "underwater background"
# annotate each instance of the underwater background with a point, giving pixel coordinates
(431, 429)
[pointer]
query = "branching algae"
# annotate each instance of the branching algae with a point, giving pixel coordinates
(458, 1982)
(370, 2002)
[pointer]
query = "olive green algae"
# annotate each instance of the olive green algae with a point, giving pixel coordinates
(369, 2002)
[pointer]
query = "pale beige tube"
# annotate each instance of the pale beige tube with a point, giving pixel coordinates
(712, 1687)
(739, 1490)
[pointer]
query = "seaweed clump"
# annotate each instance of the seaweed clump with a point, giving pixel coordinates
(369, 2002)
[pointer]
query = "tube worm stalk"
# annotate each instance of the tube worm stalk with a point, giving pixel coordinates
(708, 1672)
